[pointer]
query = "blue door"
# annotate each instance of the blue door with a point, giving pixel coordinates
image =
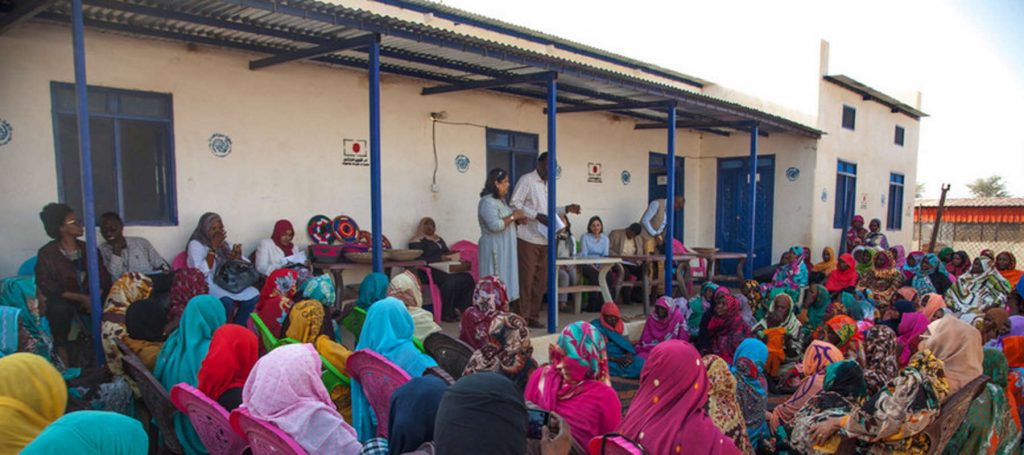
(732, 217)
(657, 185)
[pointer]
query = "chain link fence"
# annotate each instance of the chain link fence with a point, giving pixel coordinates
(973, 237)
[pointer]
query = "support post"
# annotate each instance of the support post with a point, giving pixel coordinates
(85, 157)
(375, 196)
(670, 200)
(552, 212)
(938, 219)
(753, 201)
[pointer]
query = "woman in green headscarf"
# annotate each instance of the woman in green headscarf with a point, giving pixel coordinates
(91, 433)
(865, 258)
(183, 354)
(812, 315)
(989, 426)
(698, 305)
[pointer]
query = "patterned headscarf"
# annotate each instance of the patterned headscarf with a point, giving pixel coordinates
(508, 349)
(321, 289)
(846, 328)
(130, 288)
(491, 295)
(922, 281)
(276, 298)
(974, 293)
(722, 406)
(880, 351)
(846, 378)
(580, 351)
(305, 321)
(752, 291)
(186, 284)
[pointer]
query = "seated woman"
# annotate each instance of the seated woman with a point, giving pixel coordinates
(507, 350)
(1006, 264)
(233, 352)
(62, 276)
(622, 359)
(145, 321)
(912, 326)
(208, 249)
(912, 265)
(594, 244)
(843, 390)
(792, 275)
(127, 290)
(182, 356)
(844, 278)
(372, 289)
(276, 298)
(186, 284)
(841, 332)
(812, 313)
(752, 389)
(991, 424)
(32, 395)
(865, 258)
(665, 323)
(725, 329)
(875, 238)
(575, 384)
(977, 291)
(481, 413)
(284, 388)
(828, 262)
(933, 306)
(91, 432)
(881, 355)
(722, 406)
(668, 414)
(781, 331)
(388, 331)
(994, 327)
(307, 323)
(406, 287)
(751, 291)
(279, 251)
(959, 264)
(818, 356)
(490, 298)
(882, 279)
(18, 295)
(457, 287)
(697, 307)
(127, 254)
(413, 416)
(931, 277)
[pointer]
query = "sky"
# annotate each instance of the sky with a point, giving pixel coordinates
(965, 57)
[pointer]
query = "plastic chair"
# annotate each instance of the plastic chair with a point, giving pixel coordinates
(379, 379)
(331, 377)
(180, 262)
(615, 444)
(28, 268)
(435, 293)
(264, 437)
(154, 396)
(451, 355)
(354, 322)
(209, 419)
(270, 342)
(468, 252)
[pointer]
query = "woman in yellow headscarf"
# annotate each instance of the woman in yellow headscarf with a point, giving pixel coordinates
(32, 395)
(829, 262)
(305, 325)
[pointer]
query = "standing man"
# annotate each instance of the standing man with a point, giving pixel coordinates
(531, 196)
(654, 221)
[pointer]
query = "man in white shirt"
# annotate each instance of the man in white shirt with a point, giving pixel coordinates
(127, 254)
(654, 221)
(531, 196)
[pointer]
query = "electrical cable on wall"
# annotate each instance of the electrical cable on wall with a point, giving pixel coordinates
(438, 117)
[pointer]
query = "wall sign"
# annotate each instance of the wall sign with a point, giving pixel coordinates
(594, 172)
(824, 195)
(626, 177)
(883, 200)
(863, 201)
(792, 174)
(6, 132)
(462, 163)
(220, 145)
(355, 153)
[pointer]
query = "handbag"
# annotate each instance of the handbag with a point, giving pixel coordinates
(236, 275)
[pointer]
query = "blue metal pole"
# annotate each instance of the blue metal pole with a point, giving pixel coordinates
(753, 201)
(85, 153)
(375, 196)
(670, 199)
(552, 212)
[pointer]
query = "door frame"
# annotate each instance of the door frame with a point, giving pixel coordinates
(764, 162)
(652, 168)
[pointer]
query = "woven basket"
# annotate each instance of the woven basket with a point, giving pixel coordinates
(365, 258)
(405, 255)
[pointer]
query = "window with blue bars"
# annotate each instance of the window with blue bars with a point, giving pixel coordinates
(900, 133)
(512, 151)
(894, 221)
(849, 118)
(132, 153)
(846, 193)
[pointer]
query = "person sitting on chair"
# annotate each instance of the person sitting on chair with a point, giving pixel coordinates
(128, 254)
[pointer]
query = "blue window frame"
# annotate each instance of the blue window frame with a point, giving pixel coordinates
(900, 133)
(132, 153)
(846, 193)
(512, 151)
(894, 221)
(849, 117)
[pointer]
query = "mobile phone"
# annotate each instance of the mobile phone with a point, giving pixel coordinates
(536, 420)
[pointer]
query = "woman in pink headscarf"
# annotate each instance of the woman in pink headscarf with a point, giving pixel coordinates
(726, 328)
(665, 323)
(912, 325)
(490, 298)
(284, 388)
(668, 414)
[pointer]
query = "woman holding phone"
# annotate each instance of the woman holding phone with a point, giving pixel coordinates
(208, 249)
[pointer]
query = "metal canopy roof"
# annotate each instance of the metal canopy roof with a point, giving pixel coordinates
(871, 94)
(293, 29)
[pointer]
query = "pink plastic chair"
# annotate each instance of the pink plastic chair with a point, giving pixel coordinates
(615, 444)
(468, 252)
(180, 262)
(209, 419)
(379, 378)
(435, 293)
(264, 437)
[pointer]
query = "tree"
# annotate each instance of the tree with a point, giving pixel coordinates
(919, 190)
(988, 187)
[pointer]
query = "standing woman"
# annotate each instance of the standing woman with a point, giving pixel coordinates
(208, 249)
(856, 234)
(497, 253)
(274, 253)
(456, 287)
(61, 275)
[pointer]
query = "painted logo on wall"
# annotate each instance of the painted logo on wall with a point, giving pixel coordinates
(626, 177)
(462, 163)
(220, 145)
(824, 195)
(594, 172)
(6, 132)
(792, 174)
(355, 153)
(558, 171)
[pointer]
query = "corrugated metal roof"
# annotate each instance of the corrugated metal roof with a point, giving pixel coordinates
(874, 95)
(974, 202)
(409, 49)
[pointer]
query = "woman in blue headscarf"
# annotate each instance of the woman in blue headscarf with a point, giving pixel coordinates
(20, 293)
(92, 433)
(183, 354)
(387, 331)
(373, 288)
(752, 387)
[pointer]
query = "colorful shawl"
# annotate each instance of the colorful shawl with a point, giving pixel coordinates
(320, 288)
(575, 385)
(814, 312)
(1015, 325)
(668, 411)
(932, 304)
(841, 279)
(922, 281)
(755, 298)
(899, 256)
(186, 284)
(276, 298)
(233, 352)
(881, 353)
(490, 298)
(128, 289)
(945, 254)
(849, 338)
(875, 238)
(507, 351)
(20, 293)
(818, 356)
(990, 425)
(882, 279)
(722, 406)
(972, 294)
(866, 260)
(793, 275)
(622, 359)
(726, 330)
(752, 387)
(672, 327)
(843, 389)
(829, 265)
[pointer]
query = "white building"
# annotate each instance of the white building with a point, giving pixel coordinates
(173, 83)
